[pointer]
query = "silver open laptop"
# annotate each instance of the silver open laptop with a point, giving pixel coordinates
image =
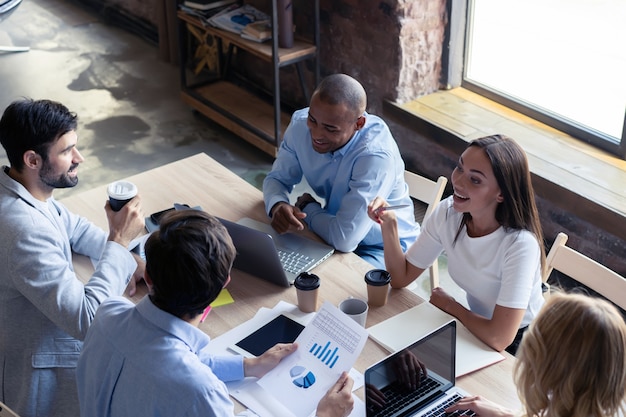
(430, 362)
(276, 258)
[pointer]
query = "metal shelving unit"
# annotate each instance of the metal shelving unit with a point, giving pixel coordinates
(236, 106)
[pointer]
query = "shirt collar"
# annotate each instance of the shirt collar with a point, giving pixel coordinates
(195, 338)
(20, 191)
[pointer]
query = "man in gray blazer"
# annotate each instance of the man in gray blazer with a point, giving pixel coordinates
(45, 310)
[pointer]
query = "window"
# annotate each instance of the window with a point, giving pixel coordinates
(562, 62)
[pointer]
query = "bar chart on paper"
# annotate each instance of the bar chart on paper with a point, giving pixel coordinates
(327, 354)
(332, 339)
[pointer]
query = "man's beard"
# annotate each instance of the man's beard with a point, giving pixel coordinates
(46, 175)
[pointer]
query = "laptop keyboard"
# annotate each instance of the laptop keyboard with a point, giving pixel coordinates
(439, 410)
(396, 400)
(294, 262)
(397, 396)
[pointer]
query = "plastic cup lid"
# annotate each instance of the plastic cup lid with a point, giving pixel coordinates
(122, 190)
(307, 281)
(377, 277)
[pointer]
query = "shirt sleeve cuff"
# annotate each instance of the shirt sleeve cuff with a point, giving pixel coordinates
(120, 254)
(228, 367)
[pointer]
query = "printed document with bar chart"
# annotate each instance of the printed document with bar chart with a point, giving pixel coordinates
(328, 345)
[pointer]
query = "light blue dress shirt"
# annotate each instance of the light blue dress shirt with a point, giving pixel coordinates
(369, 165)
(141, 361)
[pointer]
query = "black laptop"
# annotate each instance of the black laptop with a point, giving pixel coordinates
(418, 380)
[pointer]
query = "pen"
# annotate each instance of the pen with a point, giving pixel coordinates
(205, 313)
(381, 209)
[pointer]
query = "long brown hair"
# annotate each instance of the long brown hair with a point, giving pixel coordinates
(518, 210)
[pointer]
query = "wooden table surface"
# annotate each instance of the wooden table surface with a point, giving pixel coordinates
(201, 181)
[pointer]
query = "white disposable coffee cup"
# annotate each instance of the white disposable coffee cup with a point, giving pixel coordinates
(356, 309)
(120, 193)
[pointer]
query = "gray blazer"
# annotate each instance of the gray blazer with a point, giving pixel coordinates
(45, 310)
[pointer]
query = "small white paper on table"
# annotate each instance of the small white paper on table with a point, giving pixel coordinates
(405, 328)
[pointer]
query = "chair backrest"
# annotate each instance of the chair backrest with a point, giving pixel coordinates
(6, 411)
(425, 190)
(8, 7)
(429, 192)
(586, 271)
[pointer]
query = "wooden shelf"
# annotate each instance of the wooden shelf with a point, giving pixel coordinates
(286, 56)
(239, 111)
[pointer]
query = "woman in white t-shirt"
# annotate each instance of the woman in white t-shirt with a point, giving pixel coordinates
(490, 231)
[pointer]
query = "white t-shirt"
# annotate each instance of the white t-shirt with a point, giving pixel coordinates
(503, 267)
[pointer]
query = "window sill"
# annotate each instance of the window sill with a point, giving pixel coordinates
(581, 179)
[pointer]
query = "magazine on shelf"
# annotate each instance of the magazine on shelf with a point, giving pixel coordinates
(207, 4)
(236, 20)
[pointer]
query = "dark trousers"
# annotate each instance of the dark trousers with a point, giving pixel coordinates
(512, 348)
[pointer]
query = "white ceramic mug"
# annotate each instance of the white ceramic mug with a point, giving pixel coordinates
(355, 308)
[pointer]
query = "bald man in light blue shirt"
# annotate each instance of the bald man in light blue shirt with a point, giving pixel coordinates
(348, 157)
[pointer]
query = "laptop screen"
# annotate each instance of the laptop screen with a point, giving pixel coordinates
(413, 377)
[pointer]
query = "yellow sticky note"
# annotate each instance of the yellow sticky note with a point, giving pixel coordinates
(223, 299)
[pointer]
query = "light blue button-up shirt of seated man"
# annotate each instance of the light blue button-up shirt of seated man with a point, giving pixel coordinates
(348, 179)
(141, 361)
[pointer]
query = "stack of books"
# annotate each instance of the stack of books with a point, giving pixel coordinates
(205, 5)
(205, 9)
(258, 31)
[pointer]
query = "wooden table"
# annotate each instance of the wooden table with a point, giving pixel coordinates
(201, 181)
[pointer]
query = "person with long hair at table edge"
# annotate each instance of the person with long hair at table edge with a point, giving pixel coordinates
(571, 363)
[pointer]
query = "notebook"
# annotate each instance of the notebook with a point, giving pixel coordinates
(436, 391)
(402, 329)
(268, 255)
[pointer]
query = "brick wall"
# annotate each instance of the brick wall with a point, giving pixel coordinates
(392, 47)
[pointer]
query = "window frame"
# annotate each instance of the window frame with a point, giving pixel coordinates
(454, 59)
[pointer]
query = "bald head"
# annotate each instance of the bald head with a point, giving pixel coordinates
(343, 89)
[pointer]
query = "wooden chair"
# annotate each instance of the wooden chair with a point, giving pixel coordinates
(7, 7)
(586, 271)
(428, 192)
(6, 411)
